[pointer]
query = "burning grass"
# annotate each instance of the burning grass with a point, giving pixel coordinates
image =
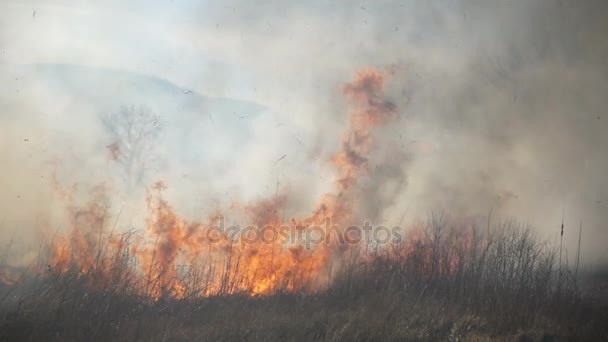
(443, 281)
(179, 279)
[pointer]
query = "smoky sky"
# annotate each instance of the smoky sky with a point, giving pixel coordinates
(501, 105)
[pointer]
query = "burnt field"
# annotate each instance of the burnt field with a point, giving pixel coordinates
(436, 285)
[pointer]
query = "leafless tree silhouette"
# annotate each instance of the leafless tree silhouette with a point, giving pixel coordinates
(134, 133)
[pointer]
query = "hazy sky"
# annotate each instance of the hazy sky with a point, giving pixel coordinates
(502, 103)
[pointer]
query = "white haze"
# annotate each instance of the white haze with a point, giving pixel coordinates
(502, 105)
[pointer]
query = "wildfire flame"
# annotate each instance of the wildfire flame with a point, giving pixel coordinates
(177, 258)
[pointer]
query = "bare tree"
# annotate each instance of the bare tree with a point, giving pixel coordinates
(134, 133)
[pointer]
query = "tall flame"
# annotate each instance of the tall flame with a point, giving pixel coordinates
(179, 258)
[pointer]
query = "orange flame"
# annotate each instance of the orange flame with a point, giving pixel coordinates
(177, 258)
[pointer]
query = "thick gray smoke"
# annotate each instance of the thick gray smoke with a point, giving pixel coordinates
(502, 106)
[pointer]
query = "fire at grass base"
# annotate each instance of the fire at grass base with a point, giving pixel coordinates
(185, 280)
(493, 283)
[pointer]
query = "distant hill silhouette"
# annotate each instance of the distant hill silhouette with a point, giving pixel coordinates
(110, 89)
(196, 128)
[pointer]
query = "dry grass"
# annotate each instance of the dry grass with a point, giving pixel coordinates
(450, 283)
